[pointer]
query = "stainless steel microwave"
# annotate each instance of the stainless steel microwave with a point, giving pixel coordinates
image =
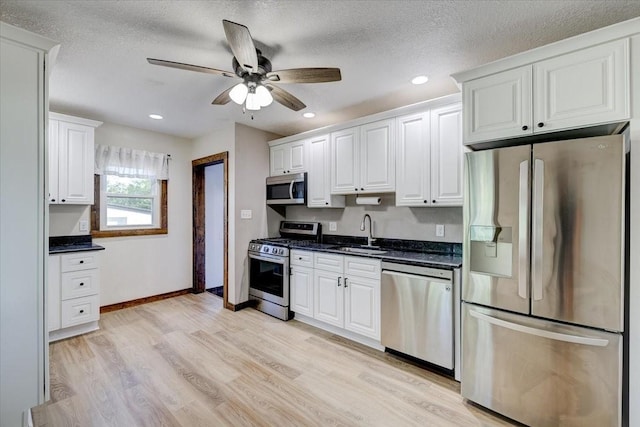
(287, 189)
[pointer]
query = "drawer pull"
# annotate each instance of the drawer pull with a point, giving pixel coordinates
(81, 261)
(345, 282)
(81, 283)
(81, 311)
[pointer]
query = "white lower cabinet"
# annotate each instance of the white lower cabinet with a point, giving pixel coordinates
(344, 291)
(73, 294)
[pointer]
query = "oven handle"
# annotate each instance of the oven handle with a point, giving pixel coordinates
(277, 260)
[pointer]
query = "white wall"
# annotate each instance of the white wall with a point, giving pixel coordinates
(140, 266)
(214, 225)
(634, 295)
(252, 169)
(64, 219)
(388, 220)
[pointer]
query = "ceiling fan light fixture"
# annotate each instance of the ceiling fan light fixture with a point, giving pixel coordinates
(419, 80)
(252, 103)
(263, 96)
(239, 93)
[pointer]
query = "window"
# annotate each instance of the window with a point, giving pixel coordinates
(130, 200)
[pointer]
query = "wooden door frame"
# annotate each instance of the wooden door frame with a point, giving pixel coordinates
(199, 266)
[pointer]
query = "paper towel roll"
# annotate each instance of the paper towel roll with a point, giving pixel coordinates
(368, 200)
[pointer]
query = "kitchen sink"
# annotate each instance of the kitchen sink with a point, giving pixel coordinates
(365, 251)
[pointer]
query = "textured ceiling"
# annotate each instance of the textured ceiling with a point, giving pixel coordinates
(102, 71)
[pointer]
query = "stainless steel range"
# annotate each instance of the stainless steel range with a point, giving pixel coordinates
(269, 266)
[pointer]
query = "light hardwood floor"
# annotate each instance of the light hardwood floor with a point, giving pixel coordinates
(187, 362)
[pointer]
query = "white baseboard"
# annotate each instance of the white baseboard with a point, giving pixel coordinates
(369, 342)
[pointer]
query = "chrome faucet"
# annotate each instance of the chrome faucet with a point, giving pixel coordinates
(370, 238)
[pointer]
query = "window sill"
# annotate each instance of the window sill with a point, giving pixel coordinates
(126, 233)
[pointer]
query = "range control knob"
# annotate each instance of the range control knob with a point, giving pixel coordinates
(273, 250)
(265, 249)
(281, 251)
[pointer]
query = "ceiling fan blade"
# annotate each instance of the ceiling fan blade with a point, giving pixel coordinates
(190, 67)
(305, 75)
(223, 98)
(242, 45)
(285, 98)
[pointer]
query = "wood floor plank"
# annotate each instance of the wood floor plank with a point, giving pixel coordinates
(187, 362)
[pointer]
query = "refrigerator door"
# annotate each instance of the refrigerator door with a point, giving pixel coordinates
(496, 228)
(577, 231)
(539, 372)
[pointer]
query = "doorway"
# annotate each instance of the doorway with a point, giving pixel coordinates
(210, 224)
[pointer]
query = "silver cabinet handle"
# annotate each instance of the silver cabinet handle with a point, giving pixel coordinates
(536, 229)
(523, 231)
(597, 342)
(339, 281)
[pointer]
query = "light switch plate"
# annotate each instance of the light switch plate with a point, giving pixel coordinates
(439, 230)
(333, 226)
(83, 225)
(246, 214)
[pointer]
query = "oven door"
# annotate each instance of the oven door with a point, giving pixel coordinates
(269, 278)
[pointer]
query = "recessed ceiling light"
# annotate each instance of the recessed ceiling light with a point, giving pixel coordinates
(156, 116)
(419, 80)
(309, 115)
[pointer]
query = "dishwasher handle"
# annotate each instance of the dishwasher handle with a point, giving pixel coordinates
(416, 276)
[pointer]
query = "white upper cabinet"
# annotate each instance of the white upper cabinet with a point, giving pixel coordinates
(288, 158)
(590, 86)
(319, 175)
(446, 156)
(345, 161)
(498, 106)
(413, 179)
(429, 158)
(582, 88)
(71, 159)
(377, 157)
(363, 159)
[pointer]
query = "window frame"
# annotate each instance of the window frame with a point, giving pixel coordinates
(161, 226)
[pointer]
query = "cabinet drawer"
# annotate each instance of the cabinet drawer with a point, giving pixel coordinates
(328, 262)
(80, 310)
(80, 283)
(362, 267)
(301, 258)
(78, 261)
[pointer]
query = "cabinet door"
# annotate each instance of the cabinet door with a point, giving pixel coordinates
(377, 157)
(587, 87)
(446, 156)
(278, 159)
(75, 177)
(345, 171)
(319, 176)
(413, 159)
(362, 306)
(328, 298)
(52, 146)
(498, 106)
(297, 157)
(302, 290)
(53, 293)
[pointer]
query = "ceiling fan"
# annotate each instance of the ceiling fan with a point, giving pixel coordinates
(257, 88)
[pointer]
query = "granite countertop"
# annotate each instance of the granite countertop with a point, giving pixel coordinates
(63, 244)
(428, 254)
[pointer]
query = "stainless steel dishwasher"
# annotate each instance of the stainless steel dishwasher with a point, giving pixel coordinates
(418, 312)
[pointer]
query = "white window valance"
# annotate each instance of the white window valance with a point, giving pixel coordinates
(129, 162)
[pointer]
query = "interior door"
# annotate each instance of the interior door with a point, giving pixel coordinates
(496, 227)
(577, 231)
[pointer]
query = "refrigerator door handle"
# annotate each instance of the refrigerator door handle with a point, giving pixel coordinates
(596, 342)
(536, 228)
(523, 230)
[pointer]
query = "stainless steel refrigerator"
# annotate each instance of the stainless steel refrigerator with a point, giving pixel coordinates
(543, 281)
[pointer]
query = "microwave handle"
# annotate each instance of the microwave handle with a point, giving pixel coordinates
(291, 189)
